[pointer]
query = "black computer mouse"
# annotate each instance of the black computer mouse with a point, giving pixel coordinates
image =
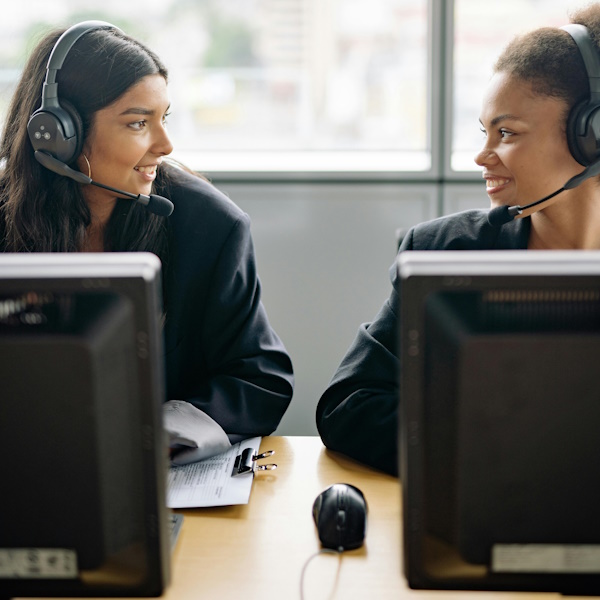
(340, 514)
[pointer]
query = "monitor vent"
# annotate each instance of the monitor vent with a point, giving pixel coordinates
(541, 309)
(541, 296)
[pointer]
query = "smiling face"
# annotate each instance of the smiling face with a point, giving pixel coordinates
(127, 142)
(525, 156)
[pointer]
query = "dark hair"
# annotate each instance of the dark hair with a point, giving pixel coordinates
(42, 211)
(548, 59)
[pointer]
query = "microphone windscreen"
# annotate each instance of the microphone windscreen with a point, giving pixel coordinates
(160, 206)
(499, 216)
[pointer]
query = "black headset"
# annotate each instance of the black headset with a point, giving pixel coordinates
(55, 128)
(583, 125)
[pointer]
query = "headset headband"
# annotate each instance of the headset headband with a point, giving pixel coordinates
(52, 128)
(588, 52)
(57, 57)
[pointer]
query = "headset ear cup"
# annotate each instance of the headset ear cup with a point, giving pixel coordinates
(573, 138)
(78, 127)
(583, 133)
(57, 131)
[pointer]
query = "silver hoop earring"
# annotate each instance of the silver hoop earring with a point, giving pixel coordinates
(88, 165)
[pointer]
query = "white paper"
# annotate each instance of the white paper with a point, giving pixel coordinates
(209, 482)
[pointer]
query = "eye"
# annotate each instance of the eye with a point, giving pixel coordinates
(483, 131)
(165, 118)
(139, 125)
(504, 133)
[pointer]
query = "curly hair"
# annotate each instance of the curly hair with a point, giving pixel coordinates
(549, 60)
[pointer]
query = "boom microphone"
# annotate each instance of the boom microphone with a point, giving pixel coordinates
(503, 214)
(155, 204)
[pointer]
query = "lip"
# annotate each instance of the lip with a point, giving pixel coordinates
(495, 183)
(148, 172)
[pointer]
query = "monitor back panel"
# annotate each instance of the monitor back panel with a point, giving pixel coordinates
(498, 419)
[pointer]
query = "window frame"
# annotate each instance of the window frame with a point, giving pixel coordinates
(366, 165)
(439, 94)
(389, 174)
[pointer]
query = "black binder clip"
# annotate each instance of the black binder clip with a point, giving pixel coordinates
(246, 462)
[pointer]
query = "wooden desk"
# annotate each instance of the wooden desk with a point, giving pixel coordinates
(257, 551)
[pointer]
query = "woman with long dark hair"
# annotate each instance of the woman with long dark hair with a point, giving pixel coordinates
(222, 357)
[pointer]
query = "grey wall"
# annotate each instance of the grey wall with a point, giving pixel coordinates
(323, 253)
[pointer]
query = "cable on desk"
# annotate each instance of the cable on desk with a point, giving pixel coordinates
(309, 560)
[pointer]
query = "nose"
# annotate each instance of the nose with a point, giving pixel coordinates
(162, 144)
(485, 156)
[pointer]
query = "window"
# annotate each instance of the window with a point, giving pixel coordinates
(272, 85)
(310, 88)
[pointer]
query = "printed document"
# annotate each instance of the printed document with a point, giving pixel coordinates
(209, 482)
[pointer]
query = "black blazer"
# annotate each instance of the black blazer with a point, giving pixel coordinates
(221, 354)
(358, 413)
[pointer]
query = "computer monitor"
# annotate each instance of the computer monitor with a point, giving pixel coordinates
(499, 416)
(84, 459)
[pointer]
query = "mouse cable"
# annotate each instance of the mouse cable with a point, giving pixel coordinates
(308, 561)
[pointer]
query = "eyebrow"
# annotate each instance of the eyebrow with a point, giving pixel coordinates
(138, 110)
(499, 118)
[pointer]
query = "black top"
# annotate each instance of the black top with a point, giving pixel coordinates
(221, 353)
(358, 413)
